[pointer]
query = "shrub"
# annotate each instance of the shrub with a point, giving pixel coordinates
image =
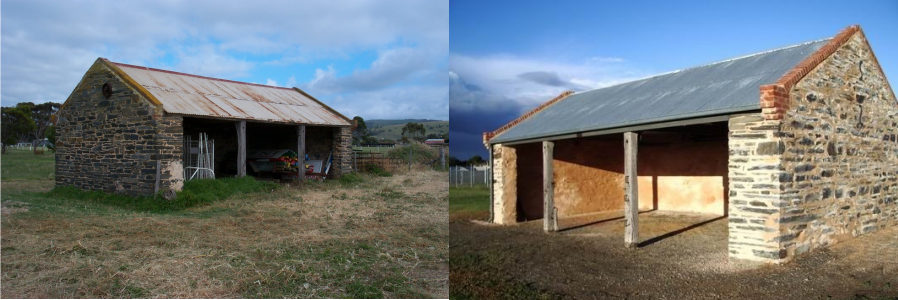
(376, 170)
(351, 178)
(420, 153)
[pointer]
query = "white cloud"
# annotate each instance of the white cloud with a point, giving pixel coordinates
(531, 81)
(271, 82)
(425, 102)
(390, 67)
(48, 45)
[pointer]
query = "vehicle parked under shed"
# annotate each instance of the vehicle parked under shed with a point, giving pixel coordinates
(795, 146)
(123, 128)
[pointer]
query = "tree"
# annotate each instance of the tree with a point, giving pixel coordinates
(433, 136)
(41, 114)
(51, 137)
(16, 122)
(476, 160)
(370, 140)
(359, 131)
(415, 131)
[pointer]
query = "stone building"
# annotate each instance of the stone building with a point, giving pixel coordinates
(796, 147)
(123, 127)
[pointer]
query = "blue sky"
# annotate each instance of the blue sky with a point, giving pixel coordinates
(506, 57)
(376, 59)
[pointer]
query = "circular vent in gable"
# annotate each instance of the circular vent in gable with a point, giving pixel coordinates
(107, 90)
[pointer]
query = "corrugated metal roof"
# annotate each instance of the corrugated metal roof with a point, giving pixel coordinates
(188, 94)
(719, 88)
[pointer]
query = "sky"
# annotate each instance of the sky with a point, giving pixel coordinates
(507, 57)
(375, 59)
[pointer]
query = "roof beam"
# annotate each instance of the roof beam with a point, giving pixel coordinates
(643, 127)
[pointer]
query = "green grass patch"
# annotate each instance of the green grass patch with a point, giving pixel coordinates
(195, 193)
(24, 164)
(469, 200)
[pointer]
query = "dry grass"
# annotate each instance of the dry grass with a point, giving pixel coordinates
(384, 237)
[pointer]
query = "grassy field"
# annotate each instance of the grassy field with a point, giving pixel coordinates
(369, 237)
(393, 132)
(373, 149)
(469, 202)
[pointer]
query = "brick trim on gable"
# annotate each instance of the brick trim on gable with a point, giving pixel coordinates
(775, 97)
(487, 136)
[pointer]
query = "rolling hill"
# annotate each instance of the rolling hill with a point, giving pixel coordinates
(392, 129)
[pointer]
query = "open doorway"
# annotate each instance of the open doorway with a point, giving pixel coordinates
(680, 170)
(279, 141)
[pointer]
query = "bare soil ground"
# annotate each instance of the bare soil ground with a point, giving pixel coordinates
(682, 257)
(384, 237)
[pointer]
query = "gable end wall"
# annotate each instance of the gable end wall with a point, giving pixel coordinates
(841, 151)
(113, 144)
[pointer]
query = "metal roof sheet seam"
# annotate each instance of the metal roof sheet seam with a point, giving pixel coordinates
(722, 87)
(189, 94)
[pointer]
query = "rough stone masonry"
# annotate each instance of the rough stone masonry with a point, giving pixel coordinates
(822, 167)
(113, 144)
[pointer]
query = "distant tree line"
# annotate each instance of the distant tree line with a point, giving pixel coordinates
(474, 160)
(412, 131)
(28, 122)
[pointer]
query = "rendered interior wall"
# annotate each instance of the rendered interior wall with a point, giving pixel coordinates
(108, 144)
(683, 174)
(678, 172)
(841, 152)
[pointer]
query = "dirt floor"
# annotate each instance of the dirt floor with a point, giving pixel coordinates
(681, 257)
(383, 237)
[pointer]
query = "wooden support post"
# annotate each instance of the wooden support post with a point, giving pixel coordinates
(550, 222)
(241, 148)
(301, 151)
(631, 192)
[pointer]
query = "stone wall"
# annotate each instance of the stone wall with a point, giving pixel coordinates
(170, 147)
(113, 144)
(342, 151)
(755, 172)
(820, 169)
(841, 152)
(504, 185)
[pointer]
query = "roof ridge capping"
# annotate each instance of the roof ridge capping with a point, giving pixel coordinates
(194, 75)
(487, 136)
(775, 97)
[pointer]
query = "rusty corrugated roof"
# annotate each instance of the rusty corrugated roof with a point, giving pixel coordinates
(189, 94)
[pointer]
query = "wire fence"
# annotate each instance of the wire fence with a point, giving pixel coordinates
(460, 176)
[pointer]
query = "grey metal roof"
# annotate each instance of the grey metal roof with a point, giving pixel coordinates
(719, 88)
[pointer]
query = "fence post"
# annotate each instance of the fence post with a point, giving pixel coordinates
(443, 157)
